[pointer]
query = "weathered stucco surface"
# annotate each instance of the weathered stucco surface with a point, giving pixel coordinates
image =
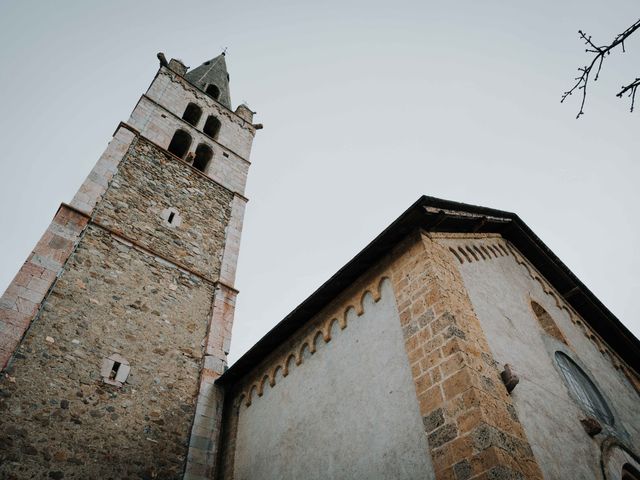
(59, 418)
(149, 181)
(348, 411)
(467, 421)
(501, 291)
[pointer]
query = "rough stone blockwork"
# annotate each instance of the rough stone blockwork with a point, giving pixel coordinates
(59, 416)
(148, 182)
(472, 426)
(22, 299)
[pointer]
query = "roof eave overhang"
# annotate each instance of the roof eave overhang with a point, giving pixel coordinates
(437, 215)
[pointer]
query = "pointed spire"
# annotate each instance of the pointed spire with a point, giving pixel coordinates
(212, 77)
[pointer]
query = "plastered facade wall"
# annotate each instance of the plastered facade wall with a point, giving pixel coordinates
(501, 288)
(348, 410)
(59, 419)
(155, 123)
(174, 93)
(467, 420)
(148, 182)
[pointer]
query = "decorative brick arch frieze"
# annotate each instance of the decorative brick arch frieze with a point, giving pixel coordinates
(469, 419)
(474, 251)
(320, 330)
(470, 249)
(576, 319)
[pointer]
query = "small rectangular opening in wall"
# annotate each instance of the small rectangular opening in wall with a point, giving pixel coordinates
(225, 154)
(114, 370)
(171, 215)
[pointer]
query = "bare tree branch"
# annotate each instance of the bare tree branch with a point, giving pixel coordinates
(600, 52)
(631, 88)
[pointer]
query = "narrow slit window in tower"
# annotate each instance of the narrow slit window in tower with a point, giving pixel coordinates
(203, 156)
(114, 370)
(180, 143)
(212, 126)
(171, 215)
(192, 114)
(213, 91)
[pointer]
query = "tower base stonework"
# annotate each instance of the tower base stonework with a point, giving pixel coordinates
(116, 327)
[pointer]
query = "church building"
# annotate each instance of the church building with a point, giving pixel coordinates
(455, 346)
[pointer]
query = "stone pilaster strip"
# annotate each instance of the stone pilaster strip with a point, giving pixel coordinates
(96, 184)
(205, 432)
(21, 301)
(229, 435)
(232, 242)
(471, 424)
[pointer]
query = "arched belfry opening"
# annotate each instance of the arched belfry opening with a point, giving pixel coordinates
(212, 126)
(180, 143)
(192, 114)
(213, 91)
(203, 157)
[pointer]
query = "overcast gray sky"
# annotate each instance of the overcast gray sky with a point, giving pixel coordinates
(366, 106)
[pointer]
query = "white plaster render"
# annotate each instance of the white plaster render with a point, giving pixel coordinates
(617, 458)
(98, 180)
(157, 126)
(348, 411)
(174, 93)
(501, 291)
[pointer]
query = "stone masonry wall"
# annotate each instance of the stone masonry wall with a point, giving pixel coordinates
(472, 425)
(23, 297)
(174, 93)
(58, 416)
(148, 182)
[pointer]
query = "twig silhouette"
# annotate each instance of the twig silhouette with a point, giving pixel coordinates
(600, 52)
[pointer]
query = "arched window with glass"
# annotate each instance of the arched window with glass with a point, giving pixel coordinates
(584, 390)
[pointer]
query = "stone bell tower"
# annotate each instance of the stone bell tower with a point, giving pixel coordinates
(116, 326)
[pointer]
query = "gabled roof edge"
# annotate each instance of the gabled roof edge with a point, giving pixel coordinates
(438, 215)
